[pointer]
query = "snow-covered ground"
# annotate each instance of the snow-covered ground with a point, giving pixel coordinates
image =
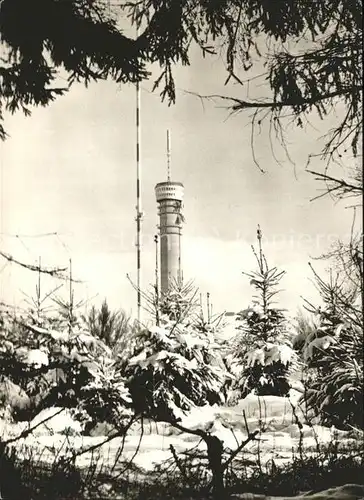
(346, 492)
(278, 441)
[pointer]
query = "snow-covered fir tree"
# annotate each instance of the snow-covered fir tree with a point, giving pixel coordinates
(48, 352)
(262, 354)
(177, 363)
(333, 349)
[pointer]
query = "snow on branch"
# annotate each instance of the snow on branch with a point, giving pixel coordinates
(56, 272)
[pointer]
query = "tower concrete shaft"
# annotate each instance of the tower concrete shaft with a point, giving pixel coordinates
(169, 198)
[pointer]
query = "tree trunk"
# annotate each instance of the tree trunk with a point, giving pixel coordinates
(214, 451)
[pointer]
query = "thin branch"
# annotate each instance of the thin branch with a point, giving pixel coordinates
(339, 185)
(137, 449)
(251, 437)
(241, 104)
(28, 431)
(121, 432)
(51, 271)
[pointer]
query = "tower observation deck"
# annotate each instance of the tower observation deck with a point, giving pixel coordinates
(169, 197)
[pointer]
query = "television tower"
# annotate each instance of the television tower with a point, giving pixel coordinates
(169, 197)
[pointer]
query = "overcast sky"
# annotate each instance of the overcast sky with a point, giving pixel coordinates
(70, 169)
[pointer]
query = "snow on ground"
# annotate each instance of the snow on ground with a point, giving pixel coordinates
(346, 492)
(281, 437)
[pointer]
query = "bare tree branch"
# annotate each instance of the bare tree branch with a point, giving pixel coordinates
(51, 271)
(341, 187)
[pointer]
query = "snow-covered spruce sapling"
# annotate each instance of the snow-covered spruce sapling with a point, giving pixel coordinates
(113, 327)
(51, 355)
(170, 374)
(333, 350)
(262, 354)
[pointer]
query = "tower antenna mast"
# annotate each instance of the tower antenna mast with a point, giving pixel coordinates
(168, 157)
(156, 279)
(139, 200)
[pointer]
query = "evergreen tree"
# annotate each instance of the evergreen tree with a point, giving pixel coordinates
(333, 349)
(262, 353)
(110, 326)
(51, 356)
(173, 366)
